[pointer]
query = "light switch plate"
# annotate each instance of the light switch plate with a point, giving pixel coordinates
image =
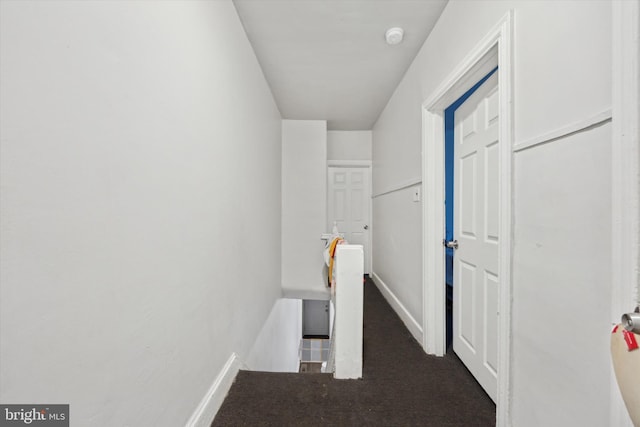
(416, 194)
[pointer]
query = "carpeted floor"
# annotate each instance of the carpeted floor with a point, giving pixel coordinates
(401, 386)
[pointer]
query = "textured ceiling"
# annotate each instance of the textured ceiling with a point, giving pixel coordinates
(328, 60)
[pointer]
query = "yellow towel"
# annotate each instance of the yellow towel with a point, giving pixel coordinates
(332, 253)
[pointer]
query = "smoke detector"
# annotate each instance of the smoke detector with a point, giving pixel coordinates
(394, 35)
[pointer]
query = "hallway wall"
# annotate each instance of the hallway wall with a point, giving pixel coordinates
(276, 347)
(304, 212)
(349, 144)
(140, 228)
(562, 219)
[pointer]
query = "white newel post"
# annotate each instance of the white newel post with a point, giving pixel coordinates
(349, 294)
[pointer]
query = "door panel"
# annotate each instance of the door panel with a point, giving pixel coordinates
(491, 192)
(468, 189)
(339, 205)
(467, 303)
(475, 293)
(491, 321)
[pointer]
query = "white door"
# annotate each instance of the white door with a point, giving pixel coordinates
(475, 267)
(348, 205)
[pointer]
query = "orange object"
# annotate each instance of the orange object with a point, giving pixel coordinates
(332, 254)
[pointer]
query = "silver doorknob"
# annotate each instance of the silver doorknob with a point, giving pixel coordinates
(366, 227)
(631, 322)
(451, 244)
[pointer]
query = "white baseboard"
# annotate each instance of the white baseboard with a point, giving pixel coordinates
(412, 325)
(211, 402)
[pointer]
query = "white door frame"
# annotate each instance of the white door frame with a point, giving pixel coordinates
(625, 195)
(496, 48)
(358, 164)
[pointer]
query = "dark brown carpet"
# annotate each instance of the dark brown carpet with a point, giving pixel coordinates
(401, 386)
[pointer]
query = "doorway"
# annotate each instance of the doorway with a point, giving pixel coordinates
(471, 229)
(349, 206)
(494, 50)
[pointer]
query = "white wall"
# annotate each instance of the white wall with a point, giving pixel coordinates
(304, 208)
(276, 348)
(349, 145)
(562, 218)
(562, 268)
(397, 250)
(397, 220)
(140, 227)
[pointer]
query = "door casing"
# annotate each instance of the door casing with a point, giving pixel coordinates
(366, 165)
(625, 191)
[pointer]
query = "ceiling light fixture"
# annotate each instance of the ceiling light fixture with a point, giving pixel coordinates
(394, 35)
